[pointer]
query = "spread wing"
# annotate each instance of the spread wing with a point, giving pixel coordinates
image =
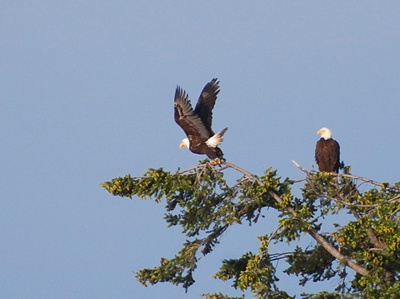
(206, 103)
(187, 118)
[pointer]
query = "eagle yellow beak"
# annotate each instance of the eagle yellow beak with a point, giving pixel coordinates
(320, 132)
(181, 145)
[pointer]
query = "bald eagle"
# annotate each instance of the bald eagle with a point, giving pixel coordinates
(196, 123)
(327, 152)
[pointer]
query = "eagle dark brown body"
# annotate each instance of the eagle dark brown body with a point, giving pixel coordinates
(327, 152)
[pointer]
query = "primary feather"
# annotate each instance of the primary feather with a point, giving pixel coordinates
(206, 103)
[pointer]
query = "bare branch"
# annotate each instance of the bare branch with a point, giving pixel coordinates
(245, 172)
(352, 205)
(192, 168)
(274, 233)
(333, 251)
(301, 168)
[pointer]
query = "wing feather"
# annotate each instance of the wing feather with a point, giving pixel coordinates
(188, 119)
(206, 103)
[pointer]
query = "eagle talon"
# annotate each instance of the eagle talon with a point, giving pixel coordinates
(217, 161)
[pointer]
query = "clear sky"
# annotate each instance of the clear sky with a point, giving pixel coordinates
(86, 95)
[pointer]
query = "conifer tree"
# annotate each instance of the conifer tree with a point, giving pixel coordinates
(360, 255)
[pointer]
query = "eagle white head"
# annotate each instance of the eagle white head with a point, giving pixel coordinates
(184, 142)
(325, 133)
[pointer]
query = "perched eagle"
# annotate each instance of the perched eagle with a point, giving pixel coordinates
(196, 123)
(327, 152)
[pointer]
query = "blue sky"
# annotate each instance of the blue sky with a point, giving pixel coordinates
(86, 93)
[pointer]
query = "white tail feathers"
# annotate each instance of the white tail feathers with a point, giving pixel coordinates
(217, 139)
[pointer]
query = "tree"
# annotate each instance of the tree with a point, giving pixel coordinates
(360, 255)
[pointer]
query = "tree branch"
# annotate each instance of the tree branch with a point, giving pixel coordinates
(332, 250)
(317, 237)
(301, 168)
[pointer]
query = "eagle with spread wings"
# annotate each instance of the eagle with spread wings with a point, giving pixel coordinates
(196, 123)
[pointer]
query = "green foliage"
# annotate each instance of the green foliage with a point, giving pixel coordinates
(312, 263)
(253, 271)
(220, 296)
(178, 270)
(361, 254)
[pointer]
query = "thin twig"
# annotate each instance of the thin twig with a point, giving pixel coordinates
(274, 233)
(192, 168)
(245, 172)
(301, 168)
(349, 204)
